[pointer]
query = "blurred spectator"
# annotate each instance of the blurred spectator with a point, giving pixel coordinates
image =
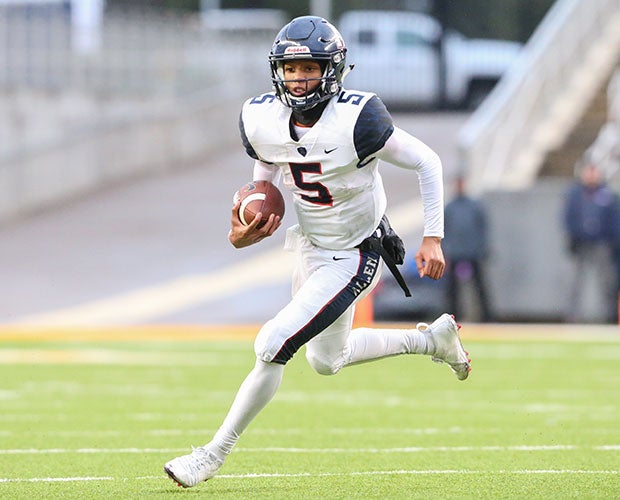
(466, 247)
(616, 259)
(591, 215)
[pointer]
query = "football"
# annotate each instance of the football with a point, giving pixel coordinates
(259, 196)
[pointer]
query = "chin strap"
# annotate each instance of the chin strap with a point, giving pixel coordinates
(347, 71)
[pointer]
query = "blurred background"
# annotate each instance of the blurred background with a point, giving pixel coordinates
(119, 152)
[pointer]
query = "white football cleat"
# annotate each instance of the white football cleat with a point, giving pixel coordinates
(189, 470)
(448, 347)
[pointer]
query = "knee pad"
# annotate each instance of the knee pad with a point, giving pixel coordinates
(263, 342)
(269, 345)
(323, 366)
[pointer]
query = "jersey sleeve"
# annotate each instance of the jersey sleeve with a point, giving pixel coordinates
(266, 172)
(405, 151)
(249, 149)
(373, 128)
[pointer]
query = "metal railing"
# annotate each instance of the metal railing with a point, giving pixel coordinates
(536, 104)
(605, 150)
(155, 91)
(138, 52)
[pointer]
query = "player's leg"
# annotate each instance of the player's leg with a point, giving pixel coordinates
(480, 285)
(255, 392)
(580, 275)
(452, 287)
(317, 303)
(322, 304)
(338, 346)
(602, 259)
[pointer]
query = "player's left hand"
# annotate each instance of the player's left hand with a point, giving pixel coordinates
(241, 235)
(429, 258)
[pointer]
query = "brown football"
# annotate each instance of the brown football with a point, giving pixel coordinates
(259, 196)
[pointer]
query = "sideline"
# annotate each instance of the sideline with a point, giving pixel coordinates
(247, 332)
(130, 333)
(258, 475)
(300, 451)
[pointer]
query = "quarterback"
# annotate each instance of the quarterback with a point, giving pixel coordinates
(324, 142)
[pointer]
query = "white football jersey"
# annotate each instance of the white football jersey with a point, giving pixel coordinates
(338, 193)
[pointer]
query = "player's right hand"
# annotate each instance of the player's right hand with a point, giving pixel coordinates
(429, 258)
(241, 236)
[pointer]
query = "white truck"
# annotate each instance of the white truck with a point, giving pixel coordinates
(397, 55)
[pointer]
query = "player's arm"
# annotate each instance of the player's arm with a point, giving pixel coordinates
(405, 151)
(241, 236)
(266, 172)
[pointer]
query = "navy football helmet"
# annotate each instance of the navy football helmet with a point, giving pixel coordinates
(309, 37)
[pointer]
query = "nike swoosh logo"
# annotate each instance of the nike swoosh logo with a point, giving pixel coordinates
(327, 151)
(339, 258)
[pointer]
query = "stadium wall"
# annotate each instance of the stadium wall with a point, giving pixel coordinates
(59, 150)
(530, 271)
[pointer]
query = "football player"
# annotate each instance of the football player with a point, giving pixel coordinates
(325, 143)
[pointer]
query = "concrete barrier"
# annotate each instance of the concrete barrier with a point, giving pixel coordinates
(530, 271)
(58, 147)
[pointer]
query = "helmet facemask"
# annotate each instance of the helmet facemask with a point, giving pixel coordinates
(327, 87)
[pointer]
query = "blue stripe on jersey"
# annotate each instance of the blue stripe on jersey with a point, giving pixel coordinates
(244, 138)
(366, 271)
(373, 128)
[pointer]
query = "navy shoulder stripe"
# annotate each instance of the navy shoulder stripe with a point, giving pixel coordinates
(373, 128)
(244, 138)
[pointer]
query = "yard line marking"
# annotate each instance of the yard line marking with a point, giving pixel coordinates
(110, 357)
(410, 449)
(323, 474)
(414, 449)
(133, 333)
(279, 432)
(53, 479)
(40, 451)
(415, 472)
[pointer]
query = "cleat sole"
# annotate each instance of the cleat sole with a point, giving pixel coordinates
(171, 476)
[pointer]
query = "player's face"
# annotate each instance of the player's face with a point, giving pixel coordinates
(302, 76)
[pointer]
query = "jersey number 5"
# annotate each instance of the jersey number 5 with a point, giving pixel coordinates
(323, 196)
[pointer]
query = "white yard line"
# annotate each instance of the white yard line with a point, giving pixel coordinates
(112, 357)
(268, 432)
(328, 474)
(410, 449)
(55, 479)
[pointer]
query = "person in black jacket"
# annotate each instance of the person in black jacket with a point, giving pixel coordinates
(466, 247)
(591, 213)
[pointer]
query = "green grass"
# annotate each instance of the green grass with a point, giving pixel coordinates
(98, 420)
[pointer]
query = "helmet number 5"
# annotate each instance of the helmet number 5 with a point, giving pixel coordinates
(321, 195)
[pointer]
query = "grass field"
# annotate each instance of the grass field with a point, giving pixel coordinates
(539, 417)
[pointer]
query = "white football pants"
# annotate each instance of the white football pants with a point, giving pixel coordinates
(326, 286)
